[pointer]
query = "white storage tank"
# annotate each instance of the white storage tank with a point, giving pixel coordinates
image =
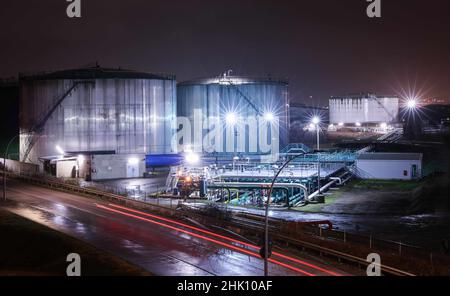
(96, 110)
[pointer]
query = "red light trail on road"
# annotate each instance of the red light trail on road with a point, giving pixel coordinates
(228, 238)
(207, 239)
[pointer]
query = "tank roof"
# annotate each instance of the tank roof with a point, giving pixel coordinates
(9, 82)
(95, 72)
(234, 80)
(362, 95)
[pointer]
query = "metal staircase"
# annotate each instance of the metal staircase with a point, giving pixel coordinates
(392, 116)
(36, 130)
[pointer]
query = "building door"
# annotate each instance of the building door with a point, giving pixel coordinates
(414, 171)
(132, 170)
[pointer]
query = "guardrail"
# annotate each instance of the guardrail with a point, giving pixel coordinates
(341, 255)
(315, 228)
(66, 186)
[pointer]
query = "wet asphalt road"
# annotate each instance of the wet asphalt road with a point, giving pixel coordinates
(158, 248)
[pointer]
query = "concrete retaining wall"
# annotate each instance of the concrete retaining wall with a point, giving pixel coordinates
(117, 166)
(20, 167)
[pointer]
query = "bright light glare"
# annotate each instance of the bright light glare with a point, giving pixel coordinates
(80, 158)
(358, 123)
(59, 149)
(231, 118)
(340, 124)
(192, 158)
(268, 116)
(383, 125)
(411, 104)
(133, 160)
(315, 120)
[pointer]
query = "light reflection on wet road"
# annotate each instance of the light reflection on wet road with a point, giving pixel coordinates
(159, 250)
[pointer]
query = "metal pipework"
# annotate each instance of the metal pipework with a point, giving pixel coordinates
(261, 185)
(340, 178)
(322, 189)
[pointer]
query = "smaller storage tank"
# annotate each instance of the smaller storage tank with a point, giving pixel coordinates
(235, 100)
(364, 109)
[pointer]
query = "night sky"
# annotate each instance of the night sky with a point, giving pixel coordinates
(323, 47)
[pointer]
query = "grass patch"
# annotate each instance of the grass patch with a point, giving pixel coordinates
(29, 248)
(387, 185)
(315, 208)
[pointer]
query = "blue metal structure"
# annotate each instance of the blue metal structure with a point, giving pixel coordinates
(159, 160)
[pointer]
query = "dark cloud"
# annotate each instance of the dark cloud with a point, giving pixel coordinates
(324, 47)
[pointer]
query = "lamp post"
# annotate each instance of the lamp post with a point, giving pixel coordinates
(266, 227)
(412, 126)
(235, 158)
(316, 121)
(4, 165)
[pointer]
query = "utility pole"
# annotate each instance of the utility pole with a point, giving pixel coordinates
(266, 226)
(4, 165)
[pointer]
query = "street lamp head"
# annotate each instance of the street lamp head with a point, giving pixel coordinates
(59, 150)
(231, 118)
(411, 104)
(268, 116)
(315, 120)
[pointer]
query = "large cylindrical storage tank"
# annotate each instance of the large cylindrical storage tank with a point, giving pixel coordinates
(363, 109)
(96, 111)
(238, 98)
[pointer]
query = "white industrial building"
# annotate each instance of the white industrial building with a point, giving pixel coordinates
(363, 109)
(400, 166)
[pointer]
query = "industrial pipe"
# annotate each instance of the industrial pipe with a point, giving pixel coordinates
(261, 185)
(322, 189)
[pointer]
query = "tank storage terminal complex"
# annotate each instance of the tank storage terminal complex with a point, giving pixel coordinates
(221, 139)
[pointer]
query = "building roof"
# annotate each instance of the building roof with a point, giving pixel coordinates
(362, 95)
(389, 156)
(95, 72)
(236, 80)
(9, 82)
